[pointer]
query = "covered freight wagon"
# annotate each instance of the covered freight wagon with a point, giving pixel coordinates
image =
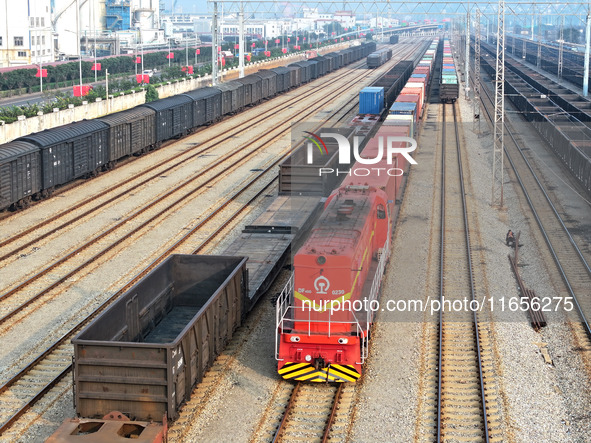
(283, 78)
(253, 89)
(232, 97)
(20, 173)
(144, 354)
(130, 132)
(268, 82)
(207, 105)
(174, 116)
(71, 151)
(306, 73)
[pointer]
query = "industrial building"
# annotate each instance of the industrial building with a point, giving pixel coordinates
(25, 33)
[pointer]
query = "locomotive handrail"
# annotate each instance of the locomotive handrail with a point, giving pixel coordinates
(280, 313)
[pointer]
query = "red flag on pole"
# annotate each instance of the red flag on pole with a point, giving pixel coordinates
(277, 41)
(236, 46)
(81, 91)
(253, 45)
(247, 57)
(288, 40)
(170, 55)
(96, 67)
(284, 50)
(138, 60)
(197, 51)
(190, 69)
(41, 73)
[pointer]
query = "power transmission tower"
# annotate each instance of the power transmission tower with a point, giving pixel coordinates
(497, 177)
(467, 50)
(561, 47)
(214, 45)
(476, 103)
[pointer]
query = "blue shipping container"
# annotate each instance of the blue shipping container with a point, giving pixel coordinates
(403, 108)
(419, 76)
(371, 100)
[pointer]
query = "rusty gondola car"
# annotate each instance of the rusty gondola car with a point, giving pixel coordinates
(147, 351)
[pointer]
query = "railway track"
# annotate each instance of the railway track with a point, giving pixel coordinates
(82, 209)
(44, 284)
(20, 393)
(565, 248)
(52, 225)
(461, 402)
(312, 412)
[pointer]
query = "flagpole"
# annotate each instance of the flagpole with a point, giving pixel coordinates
(78, 41)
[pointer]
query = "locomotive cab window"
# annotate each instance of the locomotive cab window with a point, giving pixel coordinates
(381, 212)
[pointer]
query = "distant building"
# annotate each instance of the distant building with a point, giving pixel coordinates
(25, 32)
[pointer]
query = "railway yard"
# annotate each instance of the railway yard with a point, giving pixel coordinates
(72, 265)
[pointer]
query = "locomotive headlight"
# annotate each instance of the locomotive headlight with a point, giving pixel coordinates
(321, 260)
(295, 339)
(343, 341)
(308, 357)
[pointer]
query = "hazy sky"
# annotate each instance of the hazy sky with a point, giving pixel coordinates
(189, 5)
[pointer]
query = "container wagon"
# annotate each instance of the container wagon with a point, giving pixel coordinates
(144, 354)
(393, 39)
(449, 88)
(371, 100)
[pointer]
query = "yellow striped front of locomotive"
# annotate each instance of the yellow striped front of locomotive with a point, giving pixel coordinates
(308, 372)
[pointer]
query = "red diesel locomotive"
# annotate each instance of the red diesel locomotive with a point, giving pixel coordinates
(325, 312)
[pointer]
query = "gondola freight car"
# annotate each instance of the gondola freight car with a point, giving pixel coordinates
(144, 354)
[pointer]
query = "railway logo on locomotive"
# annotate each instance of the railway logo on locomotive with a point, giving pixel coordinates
(321, 285)
(390, 146)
